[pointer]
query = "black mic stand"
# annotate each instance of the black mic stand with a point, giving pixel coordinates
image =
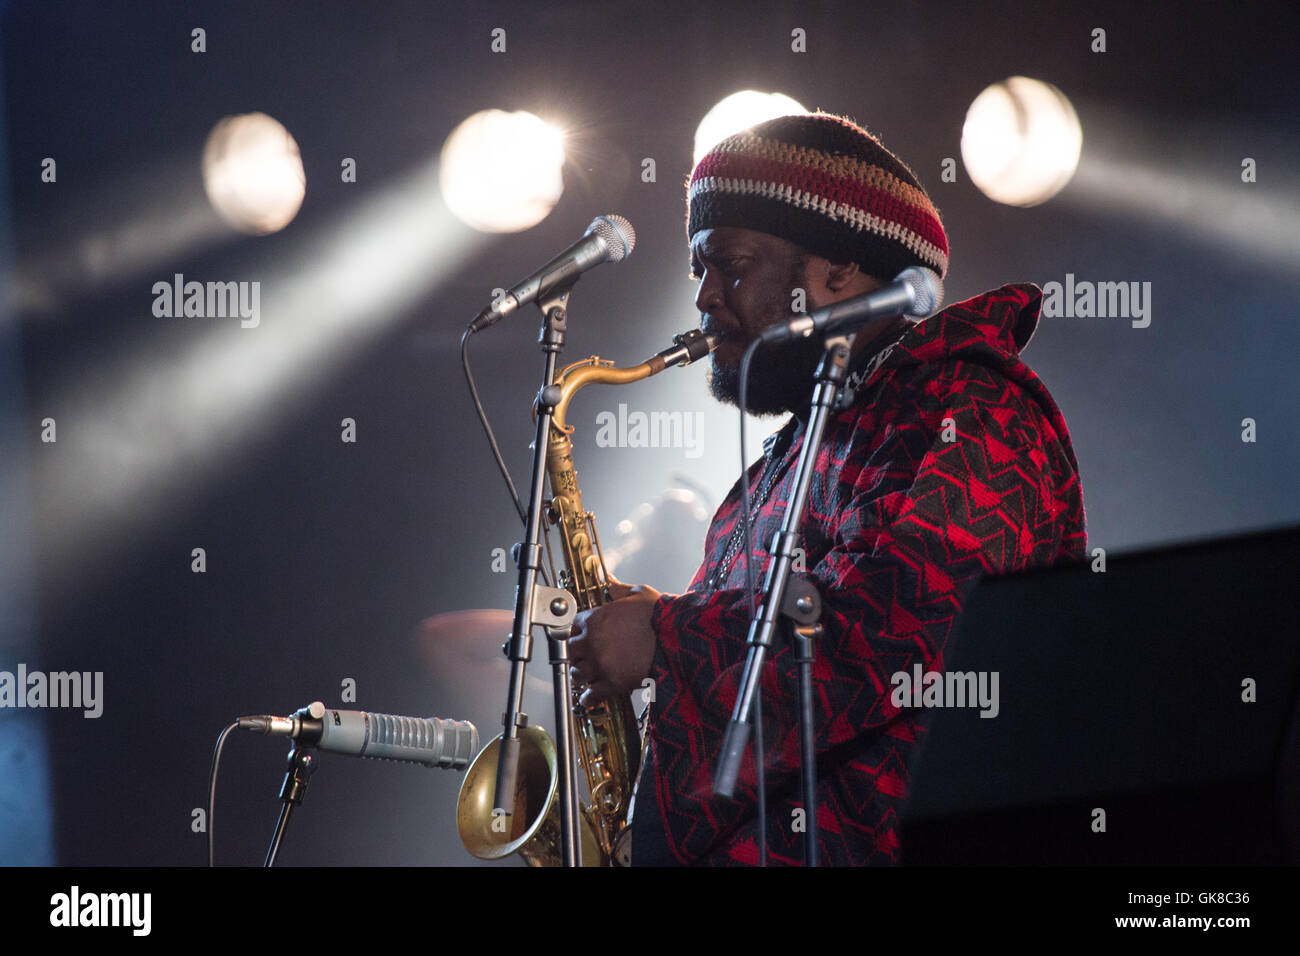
(536, 604)
(795, 601)
(302, 764)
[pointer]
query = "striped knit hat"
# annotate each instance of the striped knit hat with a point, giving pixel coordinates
(825, 184)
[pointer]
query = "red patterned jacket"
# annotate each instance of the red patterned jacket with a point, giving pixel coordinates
(906, 511)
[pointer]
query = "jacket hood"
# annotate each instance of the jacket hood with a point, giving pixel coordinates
(996, 325)
(988, 329)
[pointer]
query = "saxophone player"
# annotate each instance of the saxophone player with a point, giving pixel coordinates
(951, 462)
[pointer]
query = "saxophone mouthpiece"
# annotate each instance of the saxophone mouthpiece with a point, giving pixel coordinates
(696, 344)
(687, 348)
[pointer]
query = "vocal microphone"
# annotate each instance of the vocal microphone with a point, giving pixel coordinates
(608, 239)
(450, 744)
(916, 293)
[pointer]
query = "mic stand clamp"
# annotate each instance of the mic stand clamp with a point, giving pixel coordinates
(302, 764)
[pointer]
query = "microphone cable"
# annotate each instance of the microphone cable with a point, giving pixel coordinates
(212, 791)
(487, 426)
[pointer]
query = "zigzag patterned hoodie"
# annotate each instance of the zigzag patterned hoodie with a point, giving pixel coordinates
(952, 462)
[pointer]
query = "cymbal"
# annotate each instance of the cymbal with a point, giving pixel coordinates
(462, 650)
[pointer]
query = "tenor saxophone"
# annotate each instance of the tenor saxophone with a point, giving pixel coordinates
(610, 746)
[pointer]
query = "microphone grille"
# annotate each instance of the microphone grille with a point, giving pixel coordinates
(619, 236)
(928, 288)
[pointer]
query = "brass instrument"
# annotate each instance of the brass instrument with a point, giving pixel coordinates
(609, 744)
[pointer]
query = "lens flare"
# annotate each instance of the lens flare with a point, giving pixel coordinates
(1021, 141)
(740, 111)
(253, 173)
(502, 172)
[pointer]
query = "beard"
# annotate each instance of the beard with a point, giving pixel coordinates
(780, 378)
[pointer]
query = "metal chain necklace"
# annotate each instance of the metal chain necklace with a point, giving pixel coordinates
(738, 532)
(854, 382)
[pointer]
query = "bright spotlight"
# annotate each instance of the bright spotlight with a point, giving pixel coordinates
(253, 173)
(740, 111)
(501, 172)
(1021, 141)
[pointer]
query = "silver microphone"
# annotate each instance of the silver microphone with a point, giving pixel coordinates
(915, 292)
(431, 741)
(608, 239)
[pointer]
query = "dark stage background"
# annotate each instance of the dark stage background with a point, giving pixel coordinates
(324, 557)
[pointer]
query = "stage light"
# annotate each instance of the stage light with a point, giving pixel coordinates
(253, 173)
(502, 172)
(1021, 141)
(740, 111)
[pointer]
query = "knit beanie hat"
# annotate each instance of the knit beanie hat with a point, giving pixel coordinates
(825, 184)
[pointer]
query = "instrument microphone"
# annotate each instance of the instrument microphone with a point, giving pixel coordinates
(608, 239)
(916, 293)
(450, 744)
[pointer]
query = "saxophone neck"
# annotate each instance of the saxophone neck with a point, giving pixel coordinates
(686, 348)
(593, 371)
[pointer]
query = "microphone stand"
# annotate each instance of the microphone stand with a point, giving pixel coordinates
(537, 604)
(795, 601)
(302, 764)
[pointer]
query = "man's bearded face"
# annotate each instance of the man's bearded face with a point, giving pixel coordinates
(746, 284)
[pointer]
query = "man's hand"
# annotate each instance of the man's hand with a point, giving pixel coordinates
(613, 646)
